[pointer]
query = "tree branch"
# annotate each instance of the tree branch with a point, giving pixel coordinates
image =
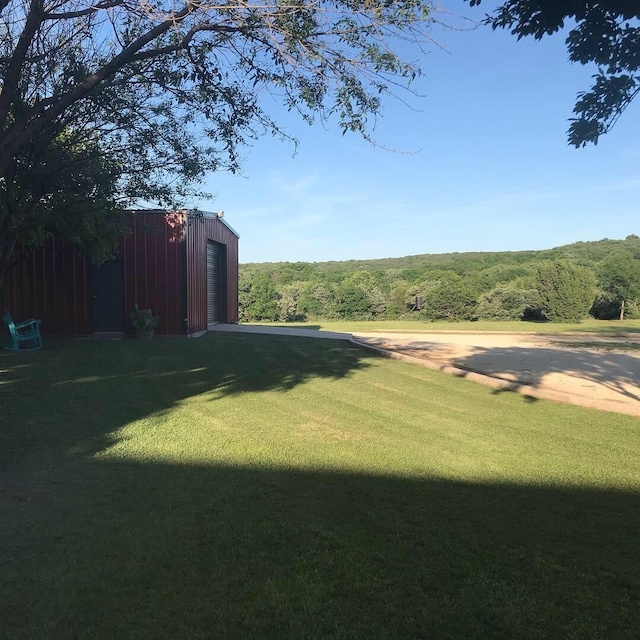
(107, 4)
(12, 75)
(42, 117)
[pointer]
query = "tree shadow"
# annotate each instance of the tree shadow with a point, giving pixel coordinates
(109, 547)
(530, 366)
(130, 550)
(44, 394)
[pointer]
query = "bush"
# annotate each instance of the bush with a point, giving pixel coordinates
(507, 303)
(567, 290)
(451, 298)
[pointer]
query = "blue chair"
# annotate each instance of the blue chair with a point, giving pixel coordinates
(24, 335)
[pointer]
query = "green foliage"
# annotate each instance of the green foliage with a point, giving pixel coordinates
(316, 300)
(62, 188)
(502, 273)
(287, 303)
(257, 297)
(451, 298)
(619, 276)
(352, 302)
(400, 299)
(606, 34)
(143, 319)
(506, 302)
(567, 290)
(498, 285)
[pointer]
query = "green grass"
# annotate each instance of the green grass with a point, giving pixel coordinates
(416, 326)
(244, 486)
(601, 346)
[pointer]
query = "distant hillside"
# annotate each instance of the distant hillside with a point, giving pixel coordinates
(491, 285)
(463, 263)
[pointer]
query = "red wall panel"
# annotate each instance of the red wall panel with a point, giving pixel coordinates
(50, 283)
(201, 229)
(154, 259)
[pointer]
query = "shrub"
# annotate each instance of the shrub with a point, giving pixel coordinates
(507, 303)
(451, 298)
(567, 290)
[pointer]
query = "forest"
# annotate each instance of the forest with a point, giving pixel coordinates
(567, 283)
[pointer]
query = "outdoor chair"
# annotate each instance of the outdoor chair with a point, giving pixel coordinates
(23, 335)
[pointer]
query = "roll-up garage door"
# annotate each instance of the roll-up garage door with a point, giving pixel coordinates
(214, 284)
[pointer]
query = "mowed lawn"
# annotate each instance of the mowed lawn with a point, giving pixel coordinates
(250, 486)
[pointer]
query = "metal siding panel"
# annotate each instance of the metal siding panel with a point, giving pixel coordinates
(196, 260)
(48, 283)
(214, 272)
(153, 250)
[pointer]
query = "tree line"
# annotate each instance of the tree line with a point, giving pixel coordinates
(559, 285)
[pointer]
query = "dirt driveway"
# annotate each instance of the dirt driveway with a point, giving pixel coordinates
(586, 369)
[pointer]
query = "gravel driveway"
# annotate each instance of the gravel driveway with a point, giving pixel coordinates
(589, 369)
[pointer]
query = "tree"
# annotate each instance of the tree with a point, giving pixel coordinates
(170, 90)
(452, 297)
(287, 303)
(605, 33)
(619, 274)
(316, 300)
(566, 290)
(257, 296)
(506, 302)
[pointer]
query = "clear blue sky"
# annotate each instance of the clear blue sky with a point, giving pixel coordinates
(490, 168)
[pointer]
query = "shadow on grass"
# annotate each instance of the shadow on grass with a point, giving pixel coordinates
(125, 550)
(75, 390)
(103, 548)
(529, 366)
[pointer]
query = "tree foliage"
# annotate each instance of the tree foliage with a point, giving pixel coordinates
(449, 286)
(619, 275)
(566, 290)
(451, 297)
(605, 33)
(507, 302)
(169, 91)
(257, 297)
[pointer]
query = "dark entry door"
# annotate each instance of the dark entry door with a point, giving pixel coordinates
(107, 293)
(214, 282)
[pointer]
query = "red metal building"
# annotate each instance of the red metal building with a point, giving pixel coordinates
(183, 266)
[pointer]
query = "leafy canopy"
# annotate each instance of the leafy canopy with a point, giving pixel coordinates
(605, 33)
(181, 83)
(169, 91)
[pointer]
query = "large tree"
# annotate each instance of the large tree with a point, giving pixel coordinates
(169, 90)
(619, 275)
(603, 32)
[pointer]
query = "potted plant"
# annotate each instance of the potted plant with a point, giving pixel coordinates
(144, 322)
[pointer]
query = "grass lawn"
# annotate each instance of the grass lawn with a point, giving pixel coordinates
(416, 326)
(250, 486)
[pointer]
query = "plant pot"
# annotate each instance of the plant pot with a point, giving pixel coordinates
(145, 334)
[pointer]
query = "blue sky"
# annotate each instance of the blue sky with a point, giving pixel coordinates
(483, 164)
